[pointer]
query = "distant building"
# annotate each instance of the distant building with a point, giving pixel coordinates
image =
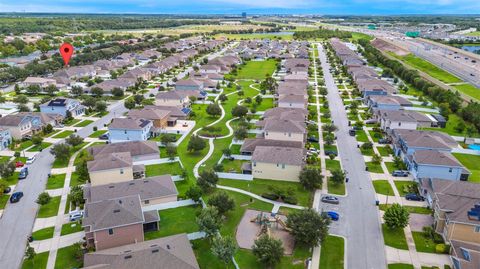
(62, 105)
(244, 15)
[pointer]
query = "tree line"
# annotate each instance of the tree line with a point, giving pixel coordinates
(321, 33)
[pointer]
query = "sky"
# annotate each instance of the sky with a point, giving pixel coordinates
(336, 7)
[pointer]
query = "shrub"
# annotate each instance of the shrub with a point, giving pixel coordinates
(271, 196)
(442, 248)
(290, 200)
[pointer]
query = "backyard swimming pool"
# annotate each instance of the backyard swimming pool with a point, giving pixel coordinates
(474, 146)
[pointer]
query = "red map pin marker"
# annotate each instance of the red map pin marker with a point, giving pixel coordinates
(66, 50)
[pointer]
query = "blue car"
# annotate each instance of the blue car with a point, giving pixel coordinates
(333, 215)
(16, 196)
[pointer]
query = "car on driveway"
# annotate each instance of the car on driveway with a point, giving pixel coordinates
(23, 173)
(16, 196)
(384, 141)
(75, 215)
(330, 200)
(414, 197)
(330, 152)
(103, 137)
(19, 164)
(7, 190)
(400, 173)
(31, 160)
(332, 215)
(312, 139)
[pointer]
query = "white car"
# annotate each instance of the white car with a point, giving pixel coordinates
(30, 160)
(75, 215)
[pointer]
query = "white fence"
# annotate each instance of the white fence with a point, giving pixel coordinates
(235, 176)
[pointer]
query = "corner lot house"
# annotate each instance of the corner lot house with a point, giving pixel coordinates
(139, 150)
(62, 105)
(128, 129)
(283, 129)
(436, 164)
(277, 163)
(167, 252)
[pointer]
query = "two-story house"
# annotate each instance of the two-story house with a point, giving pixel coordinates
(189, 85)
(5, 138)
(139, 150)
(406, 142)
(128, 129)
(18, 125)
(278, 129)
(277, 163)
(178, 98)
(113, 167)
(387, 102)
(62, 105)
(436, 164)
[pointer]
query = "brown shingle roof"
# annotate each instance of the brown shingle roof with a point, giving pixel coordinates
(110, 161)
(249, 145)
(136, 148)
(291, 156)
(278, 125)
(435, 157)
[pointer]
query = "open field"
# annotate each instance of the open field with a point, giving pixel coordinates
(429, 68)
(471, 163)
(283, 36)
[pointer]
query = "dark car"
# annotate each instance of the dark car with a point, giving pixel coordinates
(357, 128)
(400, 173)
(7, 190)
(312, 139)
(103, 137)
(330, 152)
(330, 200)
(383, 141)
(23, 173)
(16, 196)
(414, 197)
(352, 132)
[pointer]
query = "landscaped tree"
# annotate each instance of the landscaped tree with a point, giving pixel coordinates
(396, 216)
(76, 195)
(30, 253)
(222, 202)
(214, 110)
(117, 92)
(168, 138)
(240, 133)
(209, 221)
(3, 185)
(309, 227)
(224, 248)
(194, 193)
(329, 139)
(138, 98)
(338, 176)
(37, 140)
(311, 178)
(239, 111)
(82, 168)
(74, 140)
(227, 152)
(196, 143)
(258, 99)
(207, 180)
(61, 151)
(171, 151)
(129, 103)
(376, 159)
(43, 198)
(76, 90)
(268, 250)
(96, 91)
(330, 128)
(23, 108)
(101, 106)
(398, 163)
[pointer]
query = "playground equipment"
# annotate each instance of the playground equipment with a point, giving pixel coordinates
(266, 222)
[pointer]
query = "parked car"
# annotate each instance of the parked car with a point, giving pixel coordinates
(312, 139)
(16, 196)
(352, 132)
(103, 137)
(7, 190)
(400, 173)
(75, 215)
(330, 152)
(332, 215)
(23, 173)
(19, 164)
(330, 200)
(384, 141)
(30, 160)
(414, 197)
(371, 121)
(357, 128)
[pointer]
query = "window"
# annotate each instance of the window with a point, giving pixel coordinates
(110, 231)
(456, 263)
(477, 229)
(399, 124)
(466, 254)
(449, 170)
(283, 166)
(147, 202)
(121, 171)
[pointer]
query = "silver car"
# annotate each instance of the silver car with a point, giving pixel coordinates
(330, 200)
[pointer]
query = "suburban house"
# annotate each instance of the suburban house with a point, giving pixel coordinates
(402, 119)
(173, 251)
(175, 112)
(436, 164)
(456, 206)
(18, 125)
(387, 102)
(406, 142)
(374, 86)
(62, 105)
(152, 191)
(117, 222)
(292, 100)
(160, 118)
(249, 144)
(284, 113)
(40, 119)
(178, 98)
(129, 129)
(113, 167)
(76, 72)
(139, 150)
(278, 129)
(5, 138)
(276, 163)
(39, 81)
(189, 85)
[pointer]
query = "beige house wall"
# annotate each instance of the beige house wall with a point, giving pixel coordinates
(285, 136)
(111, 176)
(121, 236)
(158, 201)
(462, 232)
(172, 102)
(276, 172)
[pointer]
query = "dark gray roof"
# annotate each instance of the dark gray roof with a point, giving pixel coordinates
(435, 157)
(136, 148)
(110, 161)
(280, 155)
(171, 252)
(249, 145)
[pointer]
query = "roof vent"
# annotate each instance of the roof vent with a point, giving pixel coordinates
(154, 250)
(111, 187)
(168, 246)
(116, 211)
(131, 183)
(128, 257)
(120, 201)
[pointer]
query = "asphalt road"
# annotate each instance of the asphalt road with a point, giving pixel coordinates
(18, 219)
(359, 221)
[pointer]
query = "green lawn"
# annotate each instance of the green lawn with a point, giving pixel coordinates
(71, 227)
(50, 209)
(98, 133)
(256, 69)
(71, 122)
(3, 200)
(471, 162)
(394, 238)
(361, 136)
(173, 168)
(259, 186)
(374, 168)
(66, 258)
(429, 68)
(384, 151)
(332, 164)
(367, 152)
(56, 181)
(24, 145)
(64, 134)
(332, 253)
(83, 123)
(400, 266)
(43, 234)
(13, 179)
(235, 149)
(266, 103)
(76, 180)
(338, 189)
(38, 262)
(382, 187)
(52, 133)
(410, 209)
(234, 166)
(42, 146)
(175, 221)
(453, 120)
(401, 186)
(4, 159)
(469, 90)
(423, 244)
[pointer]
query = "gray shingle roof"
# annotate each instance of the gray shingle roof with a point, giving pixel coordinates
(280, 155)
(128, 123)
(278, 125)
(136, 148)
(110, 161)
(435, 157)
(249, 145)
